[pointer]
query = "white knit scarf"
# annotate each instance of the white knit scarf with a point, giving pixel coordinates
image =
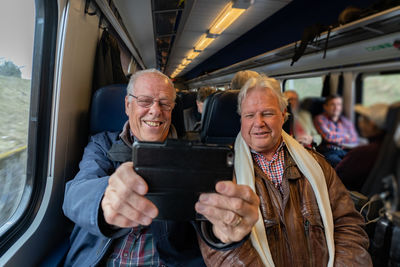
(310, 168)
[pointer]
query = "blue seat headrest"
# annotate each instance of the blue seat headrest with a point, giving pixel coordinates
(107, 112)
(220, 120)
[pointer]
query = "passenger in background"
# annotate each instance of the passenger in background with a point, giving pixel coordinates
(241, 77)
(307, 217)
(338, 133)
(357, 164)
(192, 116)
(303, 129)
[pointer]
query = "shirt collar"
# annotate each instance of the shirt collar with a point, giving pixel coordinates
(282, 144)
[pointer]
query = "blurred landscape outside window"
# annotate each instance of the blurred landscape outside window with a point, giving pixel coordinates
(16, 50)
(381, 88)
(305, 87)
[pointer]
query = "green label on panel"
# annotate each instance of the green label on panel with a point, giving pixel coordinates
(378, 47)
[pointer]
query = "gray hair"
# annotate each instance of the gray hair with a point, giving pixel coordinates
(266, 82)
(131, 85)
(241, 78)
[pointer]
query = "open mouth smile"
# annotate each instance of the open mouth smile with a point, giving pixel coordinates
(153, 123)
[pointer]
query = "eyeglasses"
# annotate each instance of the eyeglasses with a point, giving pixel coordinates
(148, 101)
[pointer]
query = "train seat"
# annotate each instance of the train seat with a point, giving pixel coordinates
(289, 123)
(220, 120)
(388, 156)
(107, 112)
(188, 99)
(177, 117)
(313, 104)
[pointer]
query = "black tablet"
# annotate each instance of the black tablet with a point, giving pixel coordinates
(178, 171)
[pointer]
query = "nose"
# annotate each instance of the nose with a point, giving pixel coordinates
(155, 108)
(258, 121)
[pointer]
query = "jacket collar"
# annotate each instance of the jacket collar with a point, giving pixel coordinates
(290, 170)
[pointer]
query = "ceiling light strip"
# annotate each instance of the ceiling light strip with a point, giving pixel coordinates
(225, 18)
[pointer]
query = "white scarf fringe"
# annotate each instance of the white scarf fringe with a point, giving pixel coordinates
(310, 168)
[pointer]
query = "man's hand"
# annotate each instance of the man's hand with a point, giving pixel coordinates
(124, 204)
(233, 210)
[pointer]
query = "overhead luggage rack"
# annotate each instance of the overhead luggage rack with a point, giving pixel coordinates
(367, 29)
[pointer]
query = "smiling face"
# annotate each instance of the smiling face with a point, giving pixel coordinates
(151, 123)
(261, 121)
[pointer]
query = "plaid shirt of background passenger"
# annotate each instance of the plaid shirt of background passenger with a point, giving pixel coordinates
(336, 134)
(274, 168)
(135, 249)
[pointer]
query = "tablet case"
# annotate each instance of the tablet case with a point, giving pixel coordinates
(178, 171)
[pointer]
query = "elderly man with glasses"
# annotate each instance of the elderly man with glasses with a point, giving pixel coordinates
(114, 221)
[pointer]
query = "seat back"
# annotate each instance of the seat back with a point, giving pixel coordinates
(188, 99)
(289, 123)
(220, 120)
(313, 104)
(189, 109)
(177, 117)
(107, 112)
(388, 157)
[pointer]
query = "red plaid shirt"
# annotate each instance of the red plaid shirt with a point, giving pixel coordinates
(135, 249)
(337, 133)
(274, 168)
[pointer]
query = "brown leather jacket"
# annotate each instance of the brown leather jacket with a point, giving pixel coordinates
(294, 227)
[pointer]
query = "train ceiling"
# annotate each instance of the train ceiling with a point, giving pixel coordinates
(165, 31)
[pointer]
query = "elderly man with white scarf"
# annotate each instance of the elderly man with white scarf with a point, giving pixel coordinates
(306, 216)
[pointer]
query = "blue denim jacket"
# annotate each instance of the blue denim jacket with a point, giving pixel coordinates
(176, 242)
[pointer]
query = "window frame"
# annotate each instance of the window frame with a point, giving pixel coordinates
(44, 50)
(359, 85)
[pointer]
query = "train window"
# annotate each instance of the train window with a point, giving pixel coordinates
(27, 58)
(381, 88)
(305, 87)
(16, 47)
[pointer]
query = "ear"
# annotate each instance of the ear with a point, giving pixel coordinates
(284, 115)
(127, 105)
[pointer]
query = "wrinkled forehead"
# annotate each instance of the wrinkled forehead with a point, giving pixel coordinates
(261, 96)
(154, 84)
(263, 90)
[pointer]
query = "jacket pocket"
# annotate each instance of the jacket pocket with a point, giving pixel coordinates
(315, 239)
(276, 233)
